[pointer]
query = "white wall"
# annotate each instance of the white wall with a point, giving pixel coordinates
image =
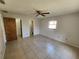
(18, 28)
(2, 38)
(36, 26)
(25, 23)
(67, 29)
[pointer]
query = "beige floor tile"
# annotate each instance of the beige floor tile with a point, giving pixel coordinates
(40, 47)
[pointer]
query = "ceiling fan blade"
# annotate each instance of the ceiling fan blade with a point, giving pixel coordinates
(4, 11)
(42, 14)
(46, 13)
(1, 1)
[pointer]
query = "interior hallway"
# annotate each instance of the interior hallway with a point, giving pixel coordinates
(40, 47)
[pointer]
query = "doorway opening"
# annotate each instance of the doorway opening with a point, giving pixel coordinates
(31, 28)
(21, 28)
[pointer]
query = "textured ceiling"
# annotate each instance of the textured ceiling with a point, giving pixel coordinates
(56, 7)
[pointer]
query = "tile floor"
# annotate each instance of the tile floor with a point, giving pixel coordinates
(39, 47)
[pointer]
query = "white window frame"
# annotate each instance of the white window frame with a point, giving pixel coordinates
(52, 24)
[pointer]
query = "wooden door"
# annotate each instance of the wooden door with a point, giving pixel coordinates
(10, 28)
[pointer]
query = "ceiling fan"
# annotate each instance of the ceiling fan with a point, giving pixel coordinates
(39, 12)
(2, 1)
(4, 11)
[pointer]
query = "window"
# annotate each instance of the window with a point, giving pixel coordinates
(52, 24)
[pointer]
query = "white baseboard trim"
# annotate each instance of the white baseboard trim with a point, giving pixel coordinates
(71, 44)
(29, 36)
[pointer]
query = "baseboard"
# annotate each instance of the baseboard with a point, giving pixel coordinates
(2, 52)
(71, 44)
(30, 36)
